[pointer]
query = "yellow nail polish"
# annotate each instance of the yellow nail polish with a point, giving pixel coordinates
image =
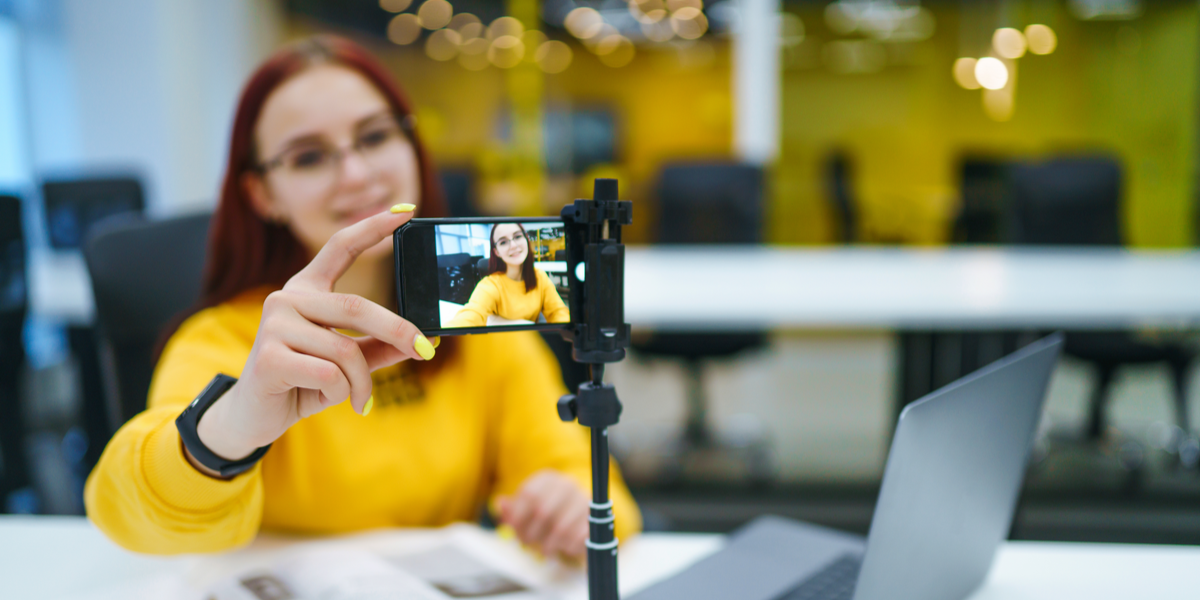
(437, 341)
(423, 347)
(368, 406)
(403, 208)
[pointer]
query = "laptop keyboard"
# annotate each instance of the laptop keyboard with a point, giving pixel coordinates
(834, 582)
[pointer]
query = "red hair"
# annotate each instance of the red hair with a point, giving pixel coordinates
(497, 265)
(246, 251)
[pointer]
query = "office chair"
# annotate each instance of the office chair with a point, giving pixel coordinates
(1076, 201)
(13, 306)
(709, 203)
(144, 274)
(839, 171)
(984, 202)
(458, 186)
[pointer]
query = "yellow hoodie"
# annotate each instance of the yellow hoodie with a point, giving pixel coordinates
(499, 295)
(434, 450)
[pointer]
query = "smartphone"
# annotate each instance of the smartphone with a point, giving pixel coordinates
(461, 276)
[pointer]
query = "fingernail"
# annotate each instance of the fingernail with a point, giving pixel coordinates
(423, 347)
(368, 406)
(437, 341)
(403, 208)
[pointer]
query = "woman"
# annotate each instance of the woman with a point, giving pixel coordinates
(513, 290)
(299, 256)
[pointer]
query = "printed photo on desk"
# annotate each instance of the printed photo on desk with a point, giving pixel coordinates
(501, 274)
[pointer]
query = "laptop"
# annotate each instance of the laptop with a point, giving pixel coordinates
(949, 490)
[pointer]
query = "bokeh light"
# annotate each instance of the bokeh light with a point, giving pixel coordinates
(677, 5)
(659, 31)
(584, 22)
(404, 29)
(991, 73)
(1041, 39)
(1009, 43)
(506, 51)
(472, 54)
(615, 50)
(964, 73)
(505, 26)
(553, 56)
(394, 5)
(467, 25)
(689, 23)
(442, 44)
(999, 105)
(435, 14)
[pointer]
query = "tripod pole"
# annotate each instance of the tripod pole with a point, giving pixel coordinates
(602, 541)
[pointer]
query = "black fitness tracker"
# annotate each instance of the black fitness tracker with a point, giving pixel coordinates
(189, 419)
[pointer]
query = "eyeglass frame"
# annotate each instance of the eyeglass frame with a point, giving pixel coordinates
(407, 125)
(496, 243)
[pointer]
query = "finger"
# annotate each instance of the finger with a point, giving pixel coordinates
(568, 533)
(341, 350)
(379, 354)
(345, 247)
(347, 311)
(314, 377)
(548, 509)
(522, 506)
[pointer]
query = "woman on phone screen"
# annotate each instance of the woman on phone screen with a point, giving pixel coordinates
(362, 426)
(514, 289)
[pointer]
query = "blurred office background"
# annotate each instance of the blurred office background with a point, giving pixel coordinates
(879, 123)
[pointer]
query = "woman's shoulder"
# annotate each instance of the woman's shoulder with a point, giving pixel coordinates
(239, 315)
(497, 348)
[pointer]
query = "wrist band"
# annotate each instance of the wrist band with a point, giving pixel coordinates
(189, 419)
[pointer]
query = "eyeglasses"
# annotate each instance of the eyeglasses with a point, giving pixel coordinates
(315, 166)
(502, 244)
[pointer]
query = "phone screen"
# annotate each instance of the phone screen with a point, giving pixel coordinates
(474, 275)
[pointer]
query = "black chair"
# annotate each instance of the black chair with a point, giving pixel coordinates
(13, 306)
(1076, 201)
(458, 186)
(73, 206)
(839, 172)
(456, 277)
(984, 203)
(709, 203)
(144, 274)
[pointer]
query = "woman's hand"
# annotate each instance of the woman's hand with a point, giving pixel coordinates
(549, 513)
(299, 365)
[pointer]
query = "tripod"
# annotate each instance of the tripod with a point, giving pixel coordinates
(599, 335)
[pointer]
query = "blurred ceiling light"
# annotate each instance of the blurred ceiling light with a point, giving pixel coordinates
(839, 18)
(1009, 43)
(615, 51)
(394, 5)
(584, 22)
(647, 11)
(1105, 10)
(881, 19)
(659, 31)
(442, 44)
(999, 105)
(1041, 39)
(505, 26)
(689, 23)
(472, 54)
(553, 56)
(991, 73)
(533, 39)
(964, 73)
(435, 14)
(467, 25)
(791, 30)
(404, 29)
(604, 31)
(676, 5)
(854, 56)
(506, 51)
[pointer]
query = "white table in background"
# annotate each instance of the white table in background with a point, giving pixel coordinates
(718, 288)
(55, 557)
(844, 288)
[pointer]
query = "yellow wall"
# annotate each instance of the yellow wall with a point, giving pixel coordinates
(907, 126)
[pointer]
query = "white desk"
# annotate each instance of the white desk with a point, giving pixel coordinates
(888, 288)
(54, 557)
(844, 288)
